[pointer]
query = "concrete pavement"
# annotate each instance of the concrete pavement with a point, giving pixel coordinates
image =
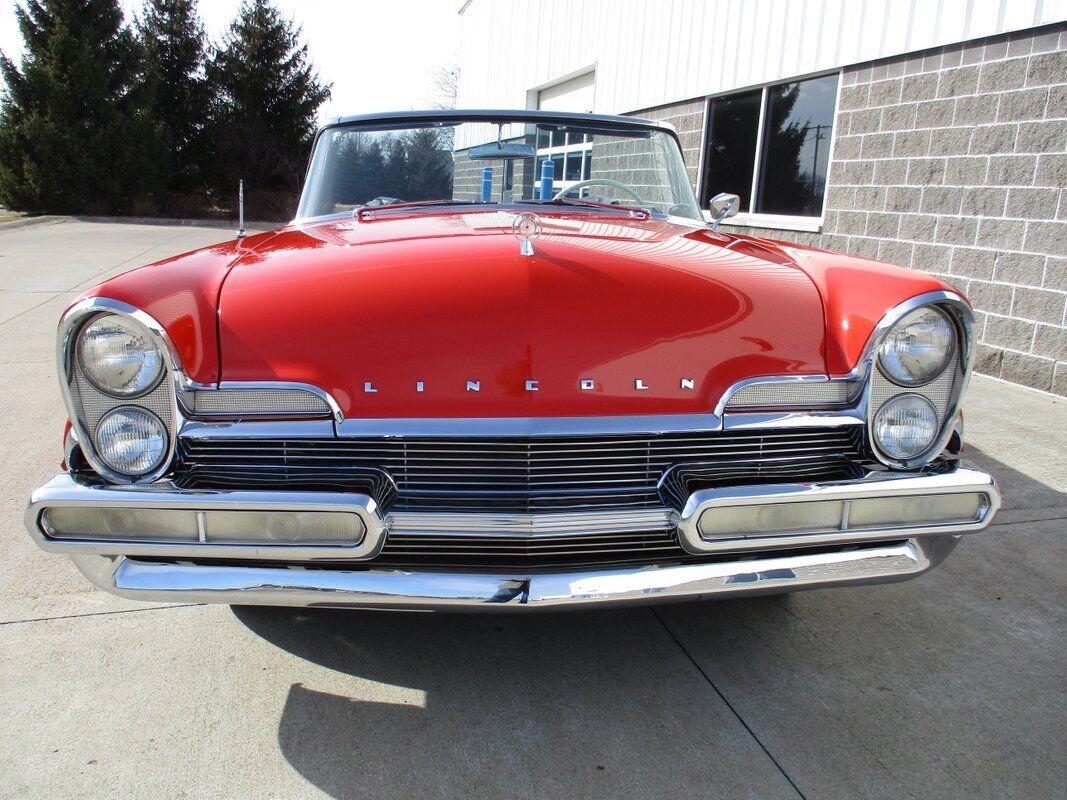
(951, 685)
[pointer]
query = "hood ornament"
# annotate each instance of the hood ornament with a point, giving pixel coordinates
(526, 227)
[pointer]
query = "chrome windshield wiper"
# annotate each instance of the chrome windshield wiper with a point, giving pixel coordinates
(368, 210)
(644, 213)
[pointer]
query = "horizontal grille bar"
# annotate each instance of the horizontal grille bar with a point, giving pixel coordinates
(446, 550)
(521, 474)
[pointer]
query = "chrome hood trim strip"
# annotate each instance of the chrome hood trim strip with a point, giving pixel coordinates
(529, 426)
(519, 426)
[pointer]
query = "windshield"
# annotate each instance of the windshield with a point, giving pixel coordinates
(359, 166)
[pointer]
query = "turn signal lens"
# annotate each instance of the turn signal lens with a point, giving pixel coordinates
(929, 509)
(337, 528)
(119, 357)
(829, 516)
(761, 520)
(138, 524)
(284, 527)
(918, 348)
(132, 441)
(905, 426)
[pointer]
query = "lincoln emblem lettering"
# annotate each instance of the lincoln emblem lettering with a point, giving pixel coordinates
(534, 385)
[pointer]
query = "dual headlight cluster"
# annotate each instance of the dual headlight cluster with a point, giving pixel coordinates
(915, 352)
(119, 357)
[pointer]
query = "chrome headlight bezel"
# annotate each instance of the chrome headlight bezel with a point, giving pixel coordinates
(87, 404)
(959, 314)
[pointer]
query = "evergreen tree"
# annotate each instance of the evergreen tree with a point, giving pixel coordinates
(429, 163)
(172, 38)
(264, 113)
(359, 169)
(76, 134)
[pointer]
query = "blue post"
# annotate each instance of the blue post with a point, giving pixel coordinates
(487, 184)
(547, 170)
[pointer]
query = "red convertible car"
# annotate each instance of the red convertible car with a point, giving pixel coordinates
(500, 359)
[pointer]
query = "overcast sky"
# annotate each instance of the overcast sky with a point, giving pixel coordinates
(379, 56)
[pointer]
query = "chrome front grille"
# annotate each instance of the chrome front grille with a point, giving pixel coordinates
(518, 552)
(522, 474)
(423, 483)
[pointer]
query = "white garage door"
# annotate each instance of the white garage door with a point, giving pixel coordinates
(569, 153)
(575, 94)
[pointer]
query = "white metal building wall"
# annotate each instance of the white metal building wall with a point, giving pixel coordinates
(651, 52)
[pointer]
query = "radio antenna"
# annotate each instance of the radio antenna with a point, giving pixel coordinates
(240, 209)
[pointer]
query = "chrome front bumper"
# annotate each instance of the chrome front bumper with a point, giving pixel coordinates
(332, 576)
(395, 589)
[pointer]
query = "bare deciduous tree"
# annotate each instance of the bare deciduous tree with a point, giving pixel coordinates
(446, 85)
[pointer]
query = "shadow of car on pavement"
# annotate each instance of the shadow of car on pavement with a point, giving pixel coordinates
(547, 704)
(606, 702)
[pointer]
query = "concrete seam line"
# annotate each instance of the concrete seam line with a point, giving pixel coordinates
(54, 295)
(124, 262)
(1007, 522)
(729, 705)
(31, 309)
(100, 613)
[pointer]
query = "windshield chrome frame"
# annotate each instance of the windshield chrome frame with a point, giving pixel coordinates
(455, 117)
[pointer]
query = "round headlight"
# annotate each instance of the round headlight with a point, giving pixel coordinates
(918, 348)
(905, 426)
(132, 441)
(119, 357)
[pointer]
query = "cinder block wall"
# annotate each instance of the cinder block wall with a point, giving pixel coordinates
(633, 162)
(954, 161)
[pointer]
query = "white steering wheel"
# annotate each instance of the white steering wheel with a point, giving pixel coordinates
(601, 182)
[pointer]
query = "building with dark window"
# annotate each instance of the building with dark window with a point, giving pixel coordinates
(930, 135)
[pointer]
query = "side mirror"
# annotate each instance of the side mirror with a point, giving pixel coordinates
(723, 205)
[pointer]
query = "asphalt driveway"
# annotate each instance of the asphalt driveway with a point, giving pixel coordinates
(950, 685)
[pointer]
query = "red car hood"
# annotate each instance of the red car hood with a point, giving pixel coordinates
(372, 311)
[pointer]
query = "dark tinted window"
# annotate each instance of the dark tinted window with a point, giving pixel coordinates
(796, 147)
(731, 146)
(574, 167)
